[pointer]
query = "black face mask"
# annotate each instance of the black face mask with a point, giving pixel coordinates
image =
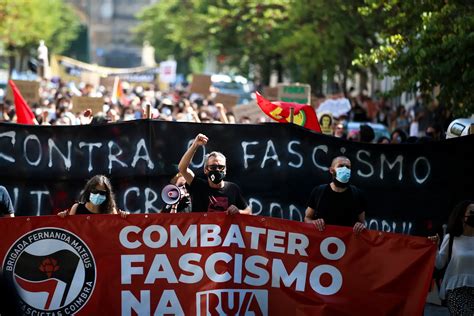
(470, 220)
(216, 176)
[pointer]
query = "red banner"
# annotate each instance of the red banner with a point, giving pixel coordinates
(279, 111)
(210, 264)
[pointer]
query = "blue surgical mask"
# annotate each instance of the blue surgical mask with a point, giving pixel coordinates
(97, 199)
(343, 174)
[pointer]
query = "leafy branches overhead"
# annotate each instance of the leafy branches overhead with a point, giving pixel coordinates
(427, 45)
(23, 23)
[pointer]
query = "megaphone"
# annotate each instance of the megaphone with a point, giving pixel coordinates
(171, 194)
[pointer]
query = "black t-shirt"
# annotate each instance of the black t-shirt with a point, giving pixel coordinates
(337, 208)
(82, 210)
(207, 199)
(6, 206)
(184, 206)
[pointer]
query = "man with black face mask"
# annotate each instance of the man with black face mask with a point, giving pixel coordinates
(213, 194)
(337, 203)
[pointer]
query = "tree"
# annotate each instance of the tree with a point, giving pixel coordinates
(426, 45)
(23, 23)
(177, 28)
(325, 36)
(246, 33)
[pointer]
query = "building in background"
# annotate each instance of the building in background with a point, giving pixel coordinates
(107, 32)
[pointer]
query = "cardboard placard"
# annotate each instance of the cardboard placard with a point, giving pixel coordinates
(28, 89)
(201, 84)
(228, 100)
(325, 121)
(108, 83)
(168, 71)
(251, 110)
(80, 104)
(270, 93)
(90, 78)
(297, 93)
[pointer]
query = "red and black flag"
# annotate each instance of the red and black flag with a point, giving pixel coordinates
(52, 274)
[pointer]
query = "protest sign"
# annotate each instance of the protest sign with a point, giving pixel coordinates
(228, 100)
(28, 89)
(80, 104)
(210, 264)
(201, 84)
(276, 165)
(297, 93)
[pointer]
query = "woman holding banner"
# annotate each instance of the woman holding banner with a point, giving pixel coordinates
(97, 197)
(457, 255)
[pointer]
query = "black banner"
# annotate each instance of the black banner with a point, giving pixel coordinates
(410, 188)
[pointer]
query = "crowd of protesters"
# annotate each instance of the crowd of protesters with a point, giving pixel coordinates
(420, 122)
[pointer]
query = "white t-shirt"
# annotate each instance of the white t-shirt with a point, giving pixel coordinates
(460, 271)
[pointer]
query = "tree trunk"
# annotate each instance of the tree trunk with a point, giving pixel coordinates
(279, 68)
(11, 59)
(265, 72)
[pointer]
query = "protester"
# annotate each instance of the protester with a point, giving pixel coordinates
(213, 194)
(184, 204)
(367, 134)
(337, 203)
(6, 205)
(457, 255)
(398, 137)
(97, 197)
(435, 132)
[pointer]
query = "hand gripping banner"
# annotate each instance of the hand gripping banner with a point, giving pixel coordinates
(210, 264)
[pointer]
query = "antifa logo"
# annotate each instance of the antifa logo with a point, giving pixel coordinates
(53, 270)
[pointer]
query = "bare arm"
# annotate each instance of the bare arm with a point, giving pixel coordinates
(359, 226)
(183, 165)
(308, 216)
(246, 211)
(222, 113)
(71, 211)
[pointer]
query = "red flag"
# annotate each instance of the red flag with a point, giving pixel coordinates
(303, 114)
(24, 115)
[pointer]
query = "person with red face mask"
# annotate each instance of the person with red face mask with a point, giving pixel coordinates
(212, 194)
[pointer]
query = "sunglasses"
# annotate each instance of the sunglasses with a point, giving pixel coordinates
(96, 191)
(216, 167)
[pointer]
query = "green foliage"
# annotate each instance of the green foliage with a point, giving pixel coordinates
(177, 28)
(326, 35)
(23, 23)
(423, 43)
(426, 45)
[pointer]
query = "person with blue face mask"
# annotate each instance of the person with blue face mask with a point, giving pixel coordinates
(212, 194)
(97, 197)
(339, 202)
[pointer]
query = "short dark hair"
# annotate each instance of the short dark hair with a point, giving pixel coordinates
(333, 161)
